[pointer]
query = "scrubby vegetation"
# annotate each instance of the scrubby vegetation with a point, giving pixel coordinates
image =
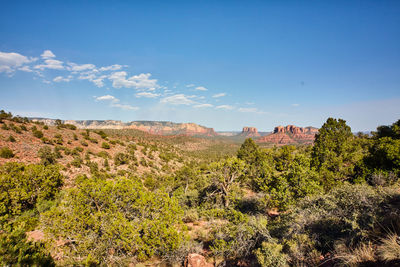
(126, 197)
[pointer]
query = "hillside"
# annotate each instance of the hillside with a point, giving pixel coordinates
(75, 197)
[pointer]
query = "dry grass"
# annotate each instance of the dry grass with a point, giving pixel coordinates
(354, 257)
(389, 250)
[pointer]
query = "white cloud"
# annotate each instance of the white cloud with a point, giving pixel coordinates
(51, 64)
(141, 81)
(112, 67)
(76, 67)
(10, 61)
(46, 81)
(203, 106)
(226, 107)
(178, 99)
(124, 107)
(26, 69)
(115, 102)
(47, 54)
(107, 97)
(147, 95)
(190, 85)
(219, 95)
(60, 79)
(98, 81)
(201, 88)
(251, 110)
(295, 105)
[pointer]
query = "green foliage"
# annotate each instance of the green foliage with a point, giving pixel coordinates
(6, 153)
(37, 133)
(121, 159)
(45, 127)
(333, 153)
(15, 250)
(77, 162)
(105, 145)
(225, 176)
(21, 186)
(117, 215)
(271, 255)
(47, 156)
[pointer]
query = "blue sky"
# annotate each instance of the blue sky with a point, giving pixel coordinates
(222, 64)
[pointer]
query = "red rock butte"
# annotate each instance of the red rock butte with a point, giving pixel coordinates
(250, 132)
(290, 134)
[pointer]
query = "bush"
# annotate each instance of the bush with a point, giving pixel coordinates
(22, 186)
(47, 156)
(271, 254)
(45, 127)
(37, 134)
(105, 145)
(6, 153)
(11, 139)
(115, 219)
(15, 250)
(77, 162)
(83, 143)
(121, 159)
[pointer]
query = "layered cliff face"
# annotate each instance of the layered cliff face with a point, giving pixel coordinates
(290, 134)
(250, 132)
(153, 127)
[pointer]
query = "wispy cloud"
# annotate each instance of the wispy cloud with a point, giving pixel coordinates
(190, 85)
(251, 110)
(9, 62)
(219, 95)
(178, 99)
(295, 105)
(60, 79)
(141, 81)
(147, 95)
(200, 88)
(47, 54)
(203, 106)
(114, 102)
(226, 107)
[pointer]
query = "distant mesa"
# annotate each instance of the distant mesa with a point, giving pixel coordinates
(250, 132)
(153, 127)
(290, 134)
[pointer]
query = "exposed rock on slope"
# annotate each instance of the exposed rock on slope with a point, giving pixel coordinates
(250, 132)
(290, 134)
(153, 127)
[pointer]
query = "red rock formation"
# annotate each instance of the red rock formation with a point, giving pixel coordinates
(196, 260)
(250, 132)
(290, 134)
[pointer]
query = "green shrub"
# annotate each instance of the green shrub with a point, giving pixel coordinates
(6, 153)
(37, 134)
(21, 186)
(47, 156)
(271, 255)
(121, 159)
(105, 145)
(15, 250)
(11, 139)
(77, 162)
(115, 219)
(45, 127)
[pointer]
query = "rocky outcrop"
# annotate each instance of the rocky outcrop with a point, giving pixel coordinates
(290, 134)
(153, 127)
(196, 260)
(250, 132)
